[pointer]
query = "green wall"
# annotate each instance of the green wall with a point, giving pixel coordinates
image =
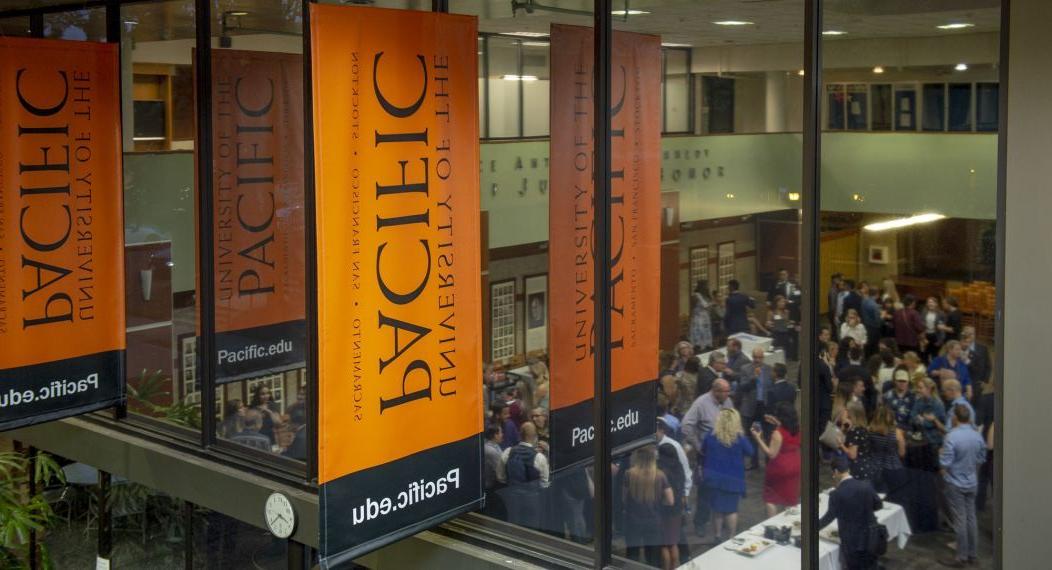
(731, 175)
(159, 206)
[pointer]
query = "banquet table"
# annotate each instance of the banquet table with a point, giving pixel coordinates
(788, 556)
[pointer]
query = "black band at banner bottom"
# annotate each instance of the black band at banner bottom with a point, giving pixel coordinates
(633, 416)
(258, 351)
(54, 390)
(369, 509)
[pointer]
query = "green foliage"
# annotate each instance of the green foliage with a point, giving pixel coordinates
(152, 388)
(22, 513)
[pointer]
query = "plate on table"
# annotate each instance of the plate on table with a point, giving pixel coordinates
(753, 547)
(830, 534)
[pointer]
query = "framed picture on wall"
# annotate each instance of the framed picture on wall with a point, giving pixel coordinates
(502, 316)
(878, 254)
(535, 303)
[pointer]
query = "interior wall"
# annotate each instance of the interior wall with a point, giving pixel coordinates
(517, 268)
(744, 237)
(1027, 272)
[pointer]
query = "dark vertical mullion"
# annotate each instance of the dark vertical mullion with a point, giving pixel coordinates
(440, 5)
(999, 281)
(521, 89)
(113, 36)
(664, 90)
(485, 84)
(601, 171)
(311, 244)
(809, 272)
(690, 91)
(36, 24)
(206, 290)
(188, 535)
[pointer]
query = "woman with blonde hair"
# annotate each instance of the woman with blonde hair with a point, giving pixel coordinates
(853, 327)
(724, 451)
(891, 292)
(856, 442)
(644, 491)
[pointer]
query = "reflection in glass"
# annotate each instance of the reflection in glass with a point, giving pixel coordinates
(906, 265)
(159, 212)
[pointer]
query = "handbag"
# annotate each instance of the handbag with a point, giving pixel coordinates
(877, 540)
(831, 436)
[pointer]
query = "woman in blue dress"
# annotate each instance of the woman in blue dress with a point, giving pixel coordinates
(700, 321)
(724, 451)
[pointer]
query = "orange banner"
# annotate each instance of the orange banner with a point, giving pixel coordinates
(635, 236)
(399, 315)
(61, 230)
(257, 123)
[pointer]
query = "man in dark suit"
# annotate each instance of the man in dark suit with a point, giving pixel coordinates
(736, 319)
(754, 390)
(852, 300)
(791, 291)
(978, 358)
(852, 505)
(709, 374)
(783, 390)
(826, 387)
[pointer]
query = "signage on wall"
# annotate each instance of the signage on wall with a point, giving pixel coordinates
(61, 230)
(399, 293)
(635, 245)
(257, 177)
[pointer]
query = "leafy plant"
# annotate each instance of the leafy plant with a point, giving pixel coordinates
(22, 513)
(150, 394)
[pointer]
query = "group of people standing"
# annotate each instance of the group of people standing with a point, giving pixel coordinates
(906, 405)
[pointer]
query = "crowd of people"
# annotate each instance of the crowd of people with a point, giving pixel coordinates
(261, 425)
(905, 410)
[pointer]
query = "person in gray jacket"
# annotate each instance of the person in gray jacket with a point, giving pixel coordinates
(754, 388)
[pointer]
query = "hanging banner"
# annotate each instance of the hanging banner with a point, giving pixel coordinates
(61, 230)
(399, 292)
(257, 178)
(635, 254)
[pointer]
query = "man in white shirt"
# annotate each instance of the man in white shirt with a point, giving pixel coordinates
(662, 439)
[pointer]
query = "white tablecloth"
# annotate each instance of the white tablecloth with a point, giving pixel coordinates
(786, 556)
(770, 358)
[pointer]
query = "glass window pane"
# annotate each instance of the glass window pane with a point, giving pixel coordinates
(160, 212)
(880, 110)
(960, 108)
(676, 95)
(906, 266)
(986, 106)
(16, 26)
(934, 107)
(82, 25)
(505, 87)
(259, 261)
(726, 265)
(535, 88)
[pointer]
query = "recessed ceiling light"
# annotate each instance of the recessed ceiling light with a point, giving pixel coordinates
(878, 69)
(525, 34)
(794, 196)
(237, 13)
(674, 45)
(628, 12)
(961, 67)
(733, 23)
(536, 44)
(801, 72)
(510, 77)
(956, 26)
(834, 33)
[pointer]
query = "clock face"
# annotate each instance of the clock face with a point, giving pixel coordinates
(281, 519)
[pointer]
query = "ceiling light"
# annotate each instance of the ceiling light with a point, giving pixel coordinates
(878, 69)
(903, 222)
(237, 13)
(834, 33)
(672, 45)
(628, 12)
(510, 77)
(526, 34)
(956, 26)
(536, 44)
(801, 72)
(794, 196)
(729, 196)
(733, 23)
(961, 67)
